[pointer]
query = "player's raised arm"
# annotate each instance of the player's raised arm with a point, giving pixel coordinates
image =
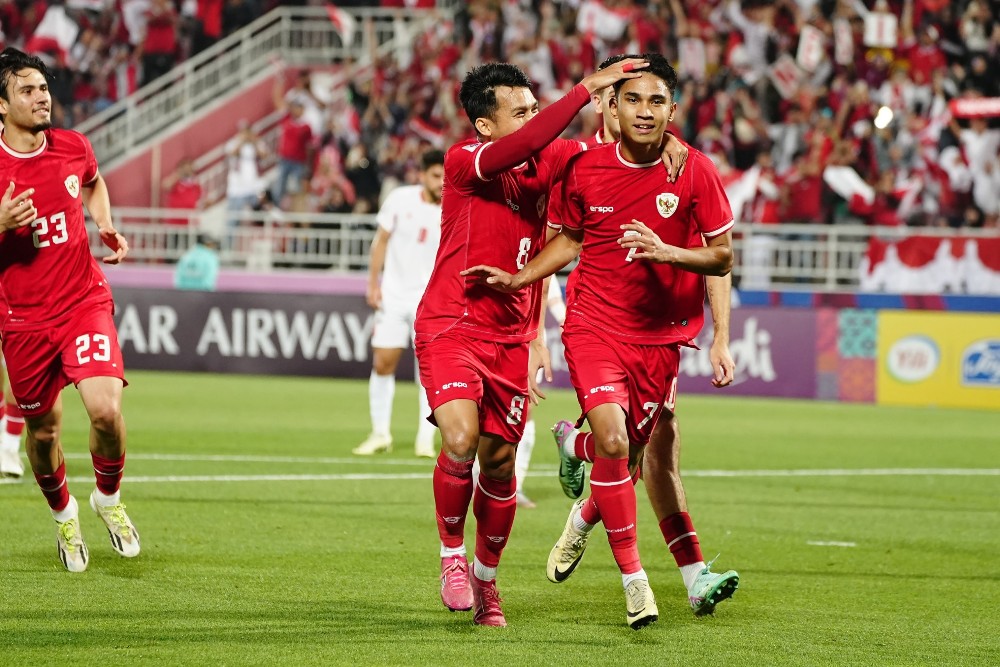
(499, 107)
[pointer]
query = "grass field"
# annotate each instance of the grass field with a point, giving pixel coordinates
(265, 542)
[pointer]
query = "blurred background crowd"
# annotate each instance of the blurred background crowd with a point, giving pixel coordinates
(815, 111)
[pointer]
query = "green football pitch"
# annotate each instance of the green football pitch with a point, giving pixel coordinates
(863, 535)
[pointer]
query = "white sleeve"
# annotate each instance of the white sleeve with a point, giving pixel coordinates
(386, 217)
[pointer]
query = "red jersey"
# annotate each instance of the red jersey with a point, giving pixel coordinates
(596, 140)
(293, 144)
(635, 300)
(499, 222)
(46, 268)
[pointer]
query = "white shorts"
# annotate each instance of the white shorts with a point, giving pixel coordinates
(393, 329)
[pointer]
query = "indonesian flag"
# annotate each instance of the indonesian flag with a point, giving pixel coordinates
(594, 18)
(932, 265)
(342, 22)
(847, 183)
(975, 107)
(54, 36)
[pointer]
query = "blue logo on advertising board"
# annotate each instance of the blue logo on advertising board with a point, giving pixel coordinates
(981, 364)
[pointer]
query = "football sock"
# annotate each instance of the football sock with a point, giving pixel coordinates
(452, 493)
(482, 572)
(629, 578)
(10, 438)
(425, 429)
(54, 488)
(682, 540)
(108, 473)
(589, 514)
(522, 458)
(70, 511)
(612, 491)
(494, 505)
(381, 389)
(584, 448)
(451, 552)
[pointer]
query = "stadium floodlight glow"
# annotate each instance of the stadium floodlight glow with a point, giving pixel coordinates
(883, 118)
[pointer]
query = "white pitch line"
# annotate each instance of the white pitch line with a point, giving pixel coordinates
(425, 463)
(260, 478)
(816, 543)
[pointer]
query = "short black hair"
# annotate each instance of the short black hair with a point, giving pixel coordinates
(13, 61)
(478, 93)
(658, 66)
(430, 158)
(611, 60)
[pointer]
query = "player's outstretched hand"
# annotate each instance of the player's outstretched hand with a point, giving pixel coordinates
(117, 243)
(675, 155)
(625, 69)
(646, 243)
(493, 277)
(723, 366)
(17, 211)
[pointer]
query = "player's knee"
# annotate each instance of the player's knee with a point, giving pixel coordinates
(105, 417)
(44, 436)
(383, 366)
(459, 442)
(613, 445)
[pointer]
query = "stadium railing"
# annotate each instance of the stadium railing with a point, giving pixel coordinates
(302, 36)
(828, 258)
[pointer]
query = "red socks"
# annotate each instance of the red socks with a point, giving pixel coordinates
(614, 495)
(678, 531)
(108, 473)
(494, 505)
(452, 493)
(54, 488)
(15, 421)
(584, 447)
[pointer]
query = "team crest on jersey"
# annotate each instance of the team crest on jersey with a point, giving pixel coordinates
(666, 203)
(72, 185)
(541, 206)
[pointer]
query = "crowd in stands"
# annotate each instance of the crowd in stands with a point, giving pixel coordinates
(815, 111)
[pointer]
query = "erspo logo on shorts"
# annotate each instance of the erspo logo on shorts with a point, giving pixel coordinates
(454, 385)
(603, 387)
(30, 406)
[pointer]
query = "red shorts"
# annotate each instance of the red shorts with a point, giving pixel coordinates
(636, 377)
(82, 345)
(494, 375)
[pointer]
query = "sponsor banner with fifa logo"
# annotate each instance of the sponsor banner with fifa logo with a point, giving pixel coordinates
(943, 359)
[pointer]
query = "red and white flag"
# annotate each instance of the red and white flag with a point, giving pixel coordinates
(693, 60)
(881, 30)
(812, 48)
(786, 76)
(343, 22)
(54, 36)
(843, 42)
(975, 107)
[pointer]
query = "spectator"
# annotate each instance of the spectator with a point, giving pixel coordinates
(294, 146)
(198, 268)
(183, 191)
(243, 182)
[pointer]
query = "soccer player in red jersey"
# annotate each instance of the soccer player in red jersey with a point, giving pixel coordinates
(637, 297)
(471, 341)
(661, 458)
(57, 322)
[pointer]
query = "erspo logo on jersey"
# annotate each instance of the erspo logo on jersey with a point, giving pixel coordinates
(981, 364)
(602, 209)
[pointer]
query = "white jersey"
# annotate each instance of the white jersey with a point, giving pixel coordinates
(415, 228)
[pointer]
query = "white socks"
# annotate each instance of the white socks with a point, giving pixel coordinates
(629, 578)
(451, 553)
(381, 389)
(579, 523)
(71, 511)
(690, 572)
(482, 572)
(523, 457)
(569, 444)
(107, 501)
